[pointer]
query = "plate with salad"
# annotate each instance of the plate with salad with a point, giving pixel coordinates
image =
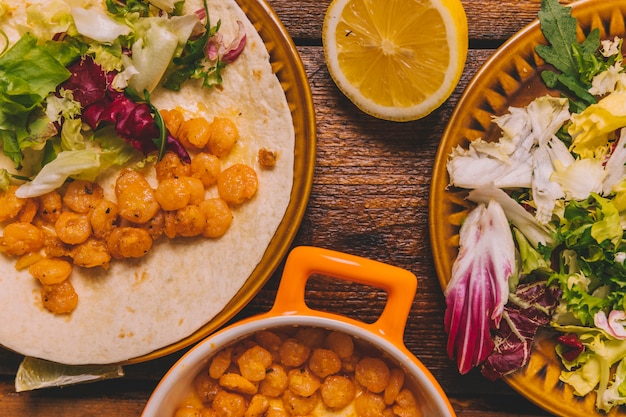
(528, 213)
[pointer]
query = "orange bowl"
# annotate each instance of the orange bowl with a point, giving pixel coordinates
(290, 310)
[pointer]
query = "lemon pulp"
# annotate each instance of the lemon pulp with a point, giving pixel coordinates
(396, 59)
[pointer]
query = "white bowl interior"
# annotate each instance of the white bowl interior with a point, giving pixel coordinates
(177, 383)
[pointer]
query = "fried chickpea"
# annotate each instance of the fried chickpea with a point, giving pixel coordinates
(224, 135)
(129, 242)
(91, 253)
(190, 221)
(10, 204)
(388, 412)
(135, 197)
(266, 158)
(406, 405)
(253, 363)
(206, 387)
(52, 245)
(241, 347)
(313, 337)
(187, 412)
(268, 340)
(337, 391)
(170, 166)
(237, 184)
(206, 167)
(72, 228)
(298, 405)
(195, 132)
(235, 382)
(20, 238)
(26, 260)
(137, 203)
(349, 364)
(209, 412)
(154, 226)
(192, 400)
(169, 224)
(275, 382)
(324, 362)
(196, 190)
(340, 343)
(396, 381)
(372, 373)
(277, 412)
(29, 211)
(50, 271)
(369, 404)
(172, 193)
(229, 404)
(293, 352)
(259, 404)
(220, 363)
(172, 118)
(50, 206)
(103, 218)
(128, 178)
(81, 196)
(218, 217)
(303, 382)
(59, 298)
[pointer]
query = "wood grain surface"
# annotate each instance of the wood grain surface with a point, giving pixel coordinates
(369, 198)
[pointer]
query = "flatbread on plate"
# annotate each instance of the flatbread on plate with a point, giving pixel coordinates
(138, 306)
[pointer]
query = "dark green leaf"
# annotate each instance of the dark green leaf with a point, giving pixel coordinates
(575, 63)
(559, 28)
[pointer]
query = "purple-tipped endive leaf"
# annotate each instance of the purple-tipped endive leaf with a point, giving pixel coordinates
(478, 288)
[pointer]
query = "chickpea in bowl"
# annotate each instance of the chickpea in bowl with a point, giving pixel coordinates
(297, 361)
(298, 371)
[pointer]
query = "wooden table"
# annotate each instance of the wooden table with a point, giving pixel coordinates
(369, 198)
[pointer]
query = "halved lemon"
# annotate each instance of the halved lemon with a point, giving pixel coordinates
(396, 59)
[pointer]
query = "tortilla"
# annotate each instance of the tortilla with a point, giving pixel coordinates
(138, 306)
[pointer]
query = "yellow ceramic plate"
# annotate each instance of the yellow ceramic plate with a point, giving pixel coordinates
(511, 78)
(288, 67)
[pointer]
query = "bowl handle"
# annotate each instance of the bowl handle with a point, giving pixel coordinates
(304, 261)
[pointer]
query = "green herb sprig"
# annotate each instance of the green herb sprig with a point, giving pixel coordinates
(576, 63)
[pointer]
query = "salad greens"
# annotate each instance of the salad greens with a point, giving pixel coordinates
(75, 85)
(558, 174)
(576, 62)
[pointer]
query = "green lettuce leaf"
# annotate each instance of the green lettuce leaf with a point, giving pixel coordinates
(28, 74)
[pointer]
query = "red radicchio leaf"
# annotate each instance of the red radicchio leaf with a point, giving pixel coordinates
(529, 309)
(92, 114)
(88, 82)
(478, 288)
(573, 346)
(91, 87)
(133, 122)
